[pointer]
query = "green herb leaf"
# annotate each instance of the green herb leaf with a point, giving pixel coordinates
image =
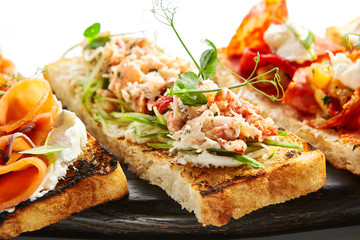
(2, 93)
(208, 62)
(92, 31)
(327, 100)
(189, 81)
(97, 42)
(310, 39)
(193, 99)
(43, 150)
(186, 81)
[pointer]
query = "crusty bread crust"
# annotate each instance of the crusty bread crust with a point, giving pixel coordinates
(214, 194)
(339, 154)
(87, 192)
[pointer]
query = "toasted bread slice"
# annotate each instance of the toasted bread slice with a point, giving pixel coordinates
(213, 194)
(95, 177)
(339, 154)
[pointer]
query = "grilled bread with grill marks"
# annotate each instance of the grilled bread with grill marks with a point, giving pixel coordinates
(95, 177)
(215, 195)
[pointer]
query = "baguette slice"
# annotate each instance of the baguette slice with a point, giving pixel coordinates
(96, 177)
(341, 155)
(213, 194)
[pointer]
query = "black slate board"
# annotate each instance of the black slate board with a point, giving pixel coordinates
(149, 212)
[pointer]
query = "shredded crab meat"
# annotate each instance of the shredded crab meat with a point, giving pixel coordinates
(139, 72)
(140, 75)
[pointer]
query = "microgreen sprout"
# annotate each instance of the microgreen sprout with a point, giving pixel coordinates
(165, 15)
(346, 40)
(186, 85)
(44, 150)
(95, 39)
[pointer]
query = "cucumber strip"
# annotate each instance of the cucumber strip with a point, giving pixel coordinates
(248, 161)
(281, 144)
(160, 145)
(146, 122)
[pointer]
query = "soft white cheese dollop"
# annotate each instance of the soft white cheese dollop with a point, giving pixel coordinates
(69, 132)
(284, 43)
(345, 70)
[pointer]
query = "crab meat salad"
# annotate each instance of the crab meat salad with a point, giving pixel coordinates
(139, 93)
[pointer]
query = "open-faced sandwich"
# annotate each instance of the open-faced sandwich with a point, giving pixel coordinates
(319, 95)
(50, 167)
(207, 148)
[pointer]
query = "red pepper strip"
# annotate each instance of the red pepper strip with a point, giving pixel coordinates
(247, 63)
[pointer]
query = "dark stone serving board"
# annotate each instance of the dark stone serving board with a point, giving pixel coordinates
(149, 212)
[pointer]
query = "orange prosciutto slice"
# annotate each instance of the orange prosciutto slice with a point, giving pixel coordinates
(29, 105)
(250, 33)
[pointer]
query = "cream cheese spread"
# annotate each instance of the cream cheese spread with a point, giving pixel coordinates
(69, 132)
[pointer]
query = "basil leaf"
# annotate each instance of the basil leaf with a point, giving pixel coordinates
(92, 31)
(194, 99)
(186, 81)
(43, 150)
(98, 42)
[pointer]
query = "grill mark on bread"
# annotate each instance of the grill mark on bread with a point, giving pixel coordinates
(290, 154)
(232, 182)
(95, 160)
(310, 147)
(355, 147)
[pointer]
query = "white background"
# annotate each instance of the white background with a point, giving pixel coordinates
(36, 32)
